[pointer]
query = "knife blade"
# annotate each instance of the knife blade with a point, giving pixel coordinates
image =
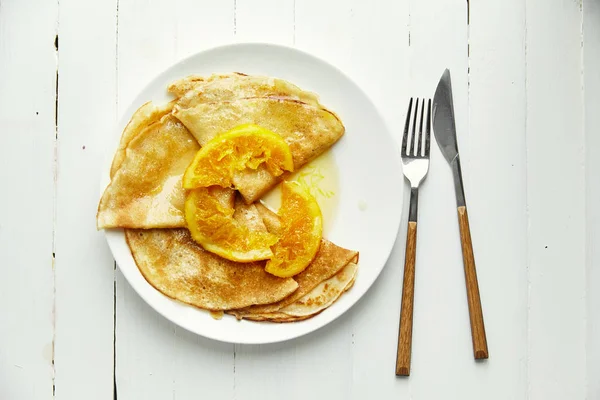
(444, 130)
(443, 116)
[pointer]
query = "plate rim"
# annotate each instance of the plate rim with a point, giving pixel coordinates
(112, 235)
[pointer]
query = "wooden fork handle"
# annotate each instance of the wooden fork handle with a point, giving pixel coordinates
(480, 349)
(406, 311)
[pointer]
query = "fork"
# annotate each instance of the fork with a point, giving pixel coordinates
(415, 164)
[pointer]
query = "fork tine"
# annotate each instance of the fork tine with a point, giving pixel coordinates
(428, 129)
(420, 138)
(413, 144)
(406, 125)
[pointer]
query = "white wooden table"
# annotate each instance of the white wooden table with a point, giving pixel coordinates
(526, 77)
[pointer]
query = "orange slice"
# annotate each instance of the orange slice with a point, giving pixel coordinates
(301, 233)
(210, 219)
(245, 147)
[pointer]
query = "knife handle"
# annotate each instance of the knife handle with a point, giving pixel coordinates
(406, 311)
(480, 349)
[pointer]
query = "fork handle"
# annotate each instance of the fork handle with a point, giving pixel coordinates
(480, 349)
(408, 286)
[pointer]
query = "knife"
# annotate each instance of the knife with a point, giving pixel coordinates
(444, 129)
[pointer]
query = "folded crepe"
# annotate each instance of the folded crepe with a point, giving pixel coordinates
(216, 106)
(329, 261)
(145, 190)
(323, 295)
(146, 115)
(179, 268)
(172, 262)
(311, 304)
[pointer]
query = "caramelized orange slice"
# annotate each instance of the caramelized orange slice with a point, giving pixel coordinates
(243, 148)
(301, 233)
(209, 214)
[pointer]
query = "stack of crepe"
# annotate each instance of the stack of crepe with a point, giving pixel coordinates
(145, 196)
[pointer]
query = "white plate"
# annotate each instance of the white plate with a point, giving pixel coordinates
(370, 183)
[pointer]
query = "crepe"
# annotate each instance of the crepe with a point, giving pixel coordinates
(213, 105)
(311, 304)
(145, 190)
(178, 267)
(195, 89)
(144, 116)
(329, 261)
(308, 130)
(324, 294)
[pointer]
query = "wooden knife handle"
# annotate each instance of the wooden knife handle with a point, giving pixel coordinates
(406, 311)
(480, 349)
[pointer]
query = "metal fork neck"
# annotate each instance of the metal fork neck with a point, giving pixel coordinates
(458, 182)
(414, 202)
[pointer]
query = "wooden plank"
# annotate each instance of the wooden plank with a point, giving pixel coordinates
(264, 21)
(84, 266)
(555, 200)
(203, 24)
(27, 145)
(443, 357)
(146, 45)
(368, 42)
(591, 66)
(156, 359)
(497, 158)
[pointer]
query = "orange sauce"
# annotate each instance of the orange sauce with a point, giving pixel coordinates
(321, 178)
